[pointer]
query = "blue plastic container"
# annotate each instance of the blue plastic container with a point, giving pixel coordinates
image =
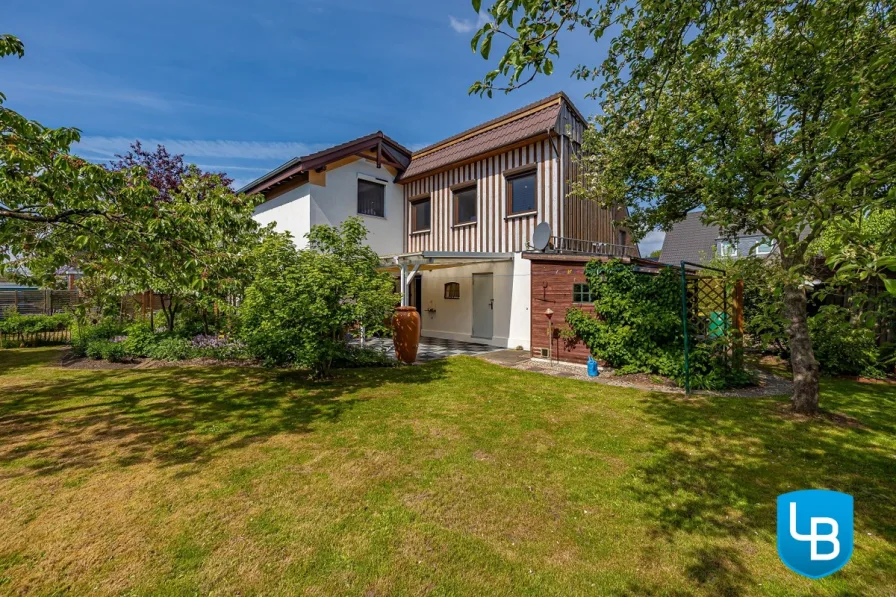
(593, 370)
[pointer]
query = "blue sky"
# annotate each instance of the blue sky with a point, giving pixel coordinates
(241, 87)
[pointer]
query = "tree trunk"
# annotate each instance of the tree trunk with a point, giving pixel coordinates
(802, 359)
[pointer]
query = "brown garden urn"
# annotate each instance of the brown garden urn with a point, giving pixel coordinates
(406, 333)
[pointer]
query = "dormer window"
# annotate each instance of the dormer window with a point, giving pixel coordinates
(727, 249)
(371, 198)
(763, 248)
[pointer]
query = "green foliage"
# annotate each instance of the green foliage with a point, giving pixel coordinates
(58, 209)
(139, 339)
(637, 328)
(765, 324)
(775, 117)
(301, 304)
(843, 348)
(14, 322)
(638, 323)
(84, 334)
(711, 367)
(99, 349)
(170, 348)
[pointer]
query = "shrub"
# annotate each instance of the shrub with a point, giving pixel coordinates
(139, 339)
(842, 348)
(171, 348)
(109, 350)
(83, 334)
(218, 347)
(637, 328)
(301, 303)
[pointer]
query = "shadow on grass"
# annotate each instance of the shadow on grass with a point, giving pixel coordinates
(716, 471)
(172, 416)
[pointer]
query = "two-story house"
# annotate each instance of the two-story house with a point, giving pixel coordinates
(693, 241)
(455, 221)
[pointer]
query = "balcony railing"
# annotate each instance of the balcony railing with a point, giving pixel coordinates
(578, 246)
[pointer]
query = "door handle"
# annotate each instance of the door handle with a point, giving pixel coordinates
(491, 304)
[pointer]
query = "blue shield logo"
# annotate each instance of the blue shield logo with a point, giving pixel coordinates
(815, 531)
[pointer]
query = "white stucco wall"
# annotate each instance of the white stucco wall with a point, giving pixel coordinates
(453, 319)
(298, 209)
(291, 212)
(338, 200)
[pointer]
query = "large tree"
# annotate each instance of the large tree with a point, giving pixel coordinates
(773, 116)
(148, 222)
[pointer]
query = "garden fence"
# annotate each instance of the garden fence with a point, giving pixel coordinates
(37, 302)
(711, 310)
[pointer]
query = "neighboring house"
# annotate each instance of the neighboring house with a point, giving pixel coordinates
(454, 221)
(693, 241)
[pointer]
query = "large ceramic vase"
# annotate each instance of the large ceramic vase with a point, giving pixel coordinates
(406, 333)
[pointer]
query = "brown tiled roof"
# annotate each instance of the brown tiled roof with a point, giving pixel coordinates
(529, 121)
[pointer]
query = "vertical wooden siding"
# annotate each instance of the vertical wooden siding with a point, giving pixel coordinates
(582, 218)
(493, 231)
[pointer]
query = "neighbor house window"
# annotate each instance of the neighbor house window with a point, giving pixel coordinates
(465, 205)
(521, 192)
(581, 293)
(762, 248)
(371, 198)
(421, 212)
(727, 249)
(452, 290)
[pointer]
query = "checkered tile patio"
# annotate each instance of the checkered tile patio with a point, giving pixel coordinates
(435, 348)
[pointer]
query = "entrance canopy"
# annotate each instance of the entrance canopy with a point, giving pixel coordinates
(408, 264)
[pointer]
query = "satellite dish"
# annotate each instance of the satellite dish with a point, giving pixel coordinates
(542, 236)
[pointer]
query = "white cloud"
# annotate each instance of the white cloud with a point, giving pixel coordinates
(466, 25)
(105, 148)
(651, 242)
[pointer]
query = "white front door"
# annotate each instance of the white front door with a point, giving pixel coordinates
(483, 306)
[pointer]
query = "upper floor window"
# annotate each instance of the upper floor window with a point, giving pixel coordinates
(763, 247)
(421, 212)
(581, 293)
(371, 198)
(465, 205)
(521, 192)
(727, 249)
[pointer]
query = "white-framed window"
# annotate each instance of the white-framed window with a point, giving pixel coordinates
(371, 198)
(727, 248)
(763, 247)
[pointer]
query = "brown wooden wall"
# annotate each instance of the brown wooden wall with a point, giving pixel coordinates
(493, 230)
(552, 289)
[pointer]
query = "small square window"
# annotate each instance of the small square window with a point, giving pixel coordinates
(452, 290)
(371, 198)
(465, 205)
(581, 293)
(421, 212)
(521, 193)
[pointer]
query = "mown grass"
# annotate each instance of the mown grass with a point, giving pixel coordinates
(453, 478)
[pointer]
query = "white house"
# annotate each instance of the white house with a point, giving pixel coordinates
(454, 221)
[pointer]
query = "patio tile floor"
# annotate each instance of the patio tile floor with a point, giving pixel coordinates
(435, 348)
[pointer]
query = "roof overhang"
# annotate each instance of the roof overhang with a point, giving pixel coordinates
(432, 260)
(376, 146)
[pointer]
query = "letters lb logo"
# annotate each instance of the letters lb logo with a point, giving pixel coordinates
(815, 531)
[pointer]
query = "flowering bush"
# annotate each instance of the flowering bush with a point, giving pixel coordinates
(218, 347)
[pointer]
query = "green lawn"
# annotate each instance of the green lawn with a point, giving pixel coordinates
(454, 478)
